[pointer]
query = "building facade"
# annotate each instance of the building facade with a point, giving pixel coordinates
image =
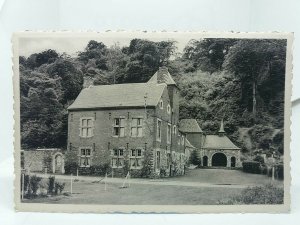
(213, 150)
(125, 128)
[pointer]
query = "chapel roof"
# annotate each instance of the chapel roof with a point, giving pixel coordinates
(189, 126)
(218, 142)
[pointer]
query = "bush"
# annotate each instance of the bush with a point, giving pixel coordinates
(51, 184)
(259, 159)
(34, 185)
(71, 167)
(59, 187)
(251, 167)
(194, 158)
(267, 194)
(279, 171)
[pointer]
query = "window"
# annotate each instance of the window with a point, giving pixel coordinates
(169, 132)
(179, 138)
(169, 109)
(85, 157)
(86, 127)
(174, 129)
(158, 129)
(161, 104)
(117, 158)
(158, 160)
(182, 139)
(136, 159)
(137, 127)
(119, 127)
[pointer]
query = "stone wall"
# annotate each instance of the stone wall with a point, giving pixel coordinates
(40, 160)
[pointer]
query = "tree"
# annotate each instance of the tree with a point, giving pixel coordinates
(208, 54)
(251, 61)
(194, 158)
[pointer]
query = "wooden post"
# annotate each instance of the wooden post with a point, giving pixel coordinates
(273, 172)
(23, 180)
(105, 182)
(71, 184)
(112, 173)
(77, 173)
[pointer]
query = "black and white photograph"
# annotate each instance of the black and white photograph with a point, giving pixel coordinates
(152, 122)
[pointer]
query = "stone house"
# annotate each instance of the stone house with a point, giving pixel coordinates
(128, 127)
(214, 150)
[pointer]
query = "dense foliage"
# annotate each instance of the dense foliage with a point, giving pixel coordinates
(241, 81)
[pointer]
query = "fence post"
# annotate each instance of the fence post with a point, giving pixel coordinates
(71, 183)
(105, 182)
(22, 193)
(273, 172)
(77, 173)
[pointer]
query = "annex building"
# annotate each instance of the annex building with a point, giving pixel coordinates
(214, 150)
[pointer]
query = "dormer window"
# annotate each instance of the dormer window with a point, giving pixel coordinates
(169, 109)
(161, 104)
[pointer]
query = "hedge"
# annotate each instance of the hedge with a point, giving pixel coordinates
(251, 167)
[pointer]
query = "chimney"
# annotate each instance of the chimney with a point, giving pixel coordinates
(162, 74)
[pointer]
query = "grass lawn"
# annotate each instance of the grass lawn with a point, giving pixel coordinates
(225, 176)
(89, 192)
(86, 192)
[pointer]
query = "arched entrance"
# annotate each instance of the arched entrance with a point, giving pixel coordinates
(219, 160)
(232, 161)
(58, 163)
(204, 161)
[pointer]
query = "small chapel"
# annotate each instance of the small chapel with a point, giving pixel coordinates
(215, 150)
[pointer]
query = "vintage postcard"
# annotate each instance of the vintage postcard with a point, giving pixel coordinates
(152, 122)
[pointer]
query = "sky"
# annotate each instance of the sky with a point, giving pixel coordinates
(71, 45)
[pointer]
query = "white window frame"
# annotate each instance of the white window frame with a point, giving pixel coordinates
(119, 126)
(174, 129)
(138, 127)
(158, 129)
(86, 157)
(168, 109)
(136, 158)
(84, 129)
(118, 158)
(169, 133)
(161, 104)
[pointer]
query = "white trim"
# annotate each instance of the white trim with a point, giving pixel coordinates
(157, 137)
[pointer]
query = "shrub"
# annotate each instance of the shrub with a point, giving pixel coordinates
(251, 167)
(267, 194)
(51, 184)
(259, 159)
(71, 167)
(279, 171)
(59, 187)
(194, 158)
(34, 184)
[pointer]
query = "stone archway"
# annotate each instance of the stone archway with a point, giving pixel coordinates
(219, 160)
(205, 161)
(58, 163)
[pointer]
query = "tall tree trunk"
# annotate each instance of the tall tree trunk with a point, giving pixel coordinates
(254, 100)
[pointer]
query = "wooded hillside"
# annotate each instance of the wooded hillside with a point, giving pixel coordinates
(241, 81)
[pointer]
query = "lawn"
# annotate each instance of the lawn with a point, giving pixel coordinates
(225, 176)
(87, 192)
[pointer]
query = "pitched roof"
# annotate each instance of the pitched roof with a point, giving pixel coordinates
(218, 142)
(188, 144)
(118, 95)
(189, 126)
(167, 79)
